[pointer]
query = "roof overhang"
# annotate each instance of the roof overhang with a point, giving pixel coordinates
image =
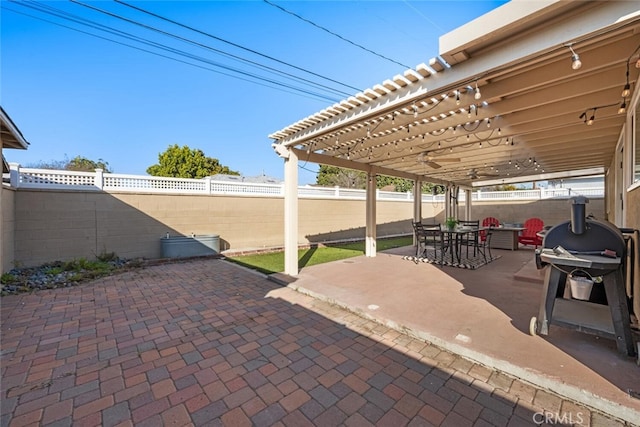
(528, 123)
(11, 136)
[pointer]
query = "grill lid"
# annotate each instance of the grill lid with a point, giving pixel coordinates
(584, 235)
(597, 236)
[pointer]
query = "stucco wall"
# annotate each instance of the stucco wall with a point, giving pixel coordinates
(632, 211)
(65, 225)
(7, 226)
(609, 191)
(54, 225)
(551, 211)
(632, 202)
(62, 225)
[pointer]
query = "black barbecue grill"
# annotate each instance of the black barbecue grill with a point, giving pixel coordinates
(580, 251)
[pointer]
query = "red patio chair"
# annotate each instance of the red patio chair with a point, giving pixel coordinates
(488, 222)
(529, 235)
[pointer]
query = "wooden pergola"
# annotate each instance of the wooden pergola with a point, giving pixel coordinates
(506, 101)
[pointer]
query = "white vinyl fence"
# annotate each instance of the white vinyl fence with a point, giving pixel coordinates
(111, 182)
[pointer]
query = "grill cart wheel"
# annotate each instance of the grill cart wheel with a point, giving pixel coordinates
(533, 326)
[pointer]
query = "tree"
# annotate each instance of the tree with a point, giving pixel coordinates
(78, 163)
(83, 164)
(331, 176)
(184, 162)
(501, 187)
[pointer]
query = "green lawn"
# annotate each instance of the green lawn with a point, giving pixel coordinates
(273, 262)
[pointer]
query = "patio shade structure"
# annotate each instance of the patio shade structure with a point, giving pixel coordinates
(505, 102)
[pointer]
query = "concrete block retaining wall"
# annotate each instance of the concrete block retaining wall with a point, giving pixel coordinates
(63, 225)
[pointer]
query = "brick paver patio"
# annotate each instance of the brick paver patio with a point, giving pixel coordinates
(205, 342)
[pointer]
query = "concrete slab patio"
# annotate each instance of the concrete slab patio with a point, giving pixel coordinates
(482, 315)
(205, 342)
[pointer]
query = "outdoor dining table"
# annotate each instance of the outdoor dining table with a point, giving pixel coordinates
(454, 238)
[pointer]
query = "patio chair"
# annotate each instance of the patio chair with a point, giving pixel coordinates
(488, 222)
(420, 237)
(429, 236)
(485, 246)
(529, 235)
(470, 239)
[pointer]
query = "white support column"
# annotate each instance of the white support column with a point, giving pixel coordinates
(291, 214)
(417, 205)
(447, 203)
(370, 240)
(467, 205)
(14, 174)
(417, 200)
(99, 179)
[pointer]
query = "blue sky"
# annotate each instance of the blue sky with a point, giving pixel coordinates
(71, 93)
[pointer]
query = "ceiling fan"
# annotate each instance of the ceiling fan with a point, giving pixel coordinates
(430, 161)
(473, 173)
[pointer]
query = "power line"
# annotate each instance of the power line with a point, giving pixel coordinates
(82, 21)
(332, 33)
(234, 44)
(235, 57)
(176, 51)
(424, 16)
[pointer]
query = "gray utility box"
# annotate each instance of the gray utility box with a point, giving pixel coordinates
(190, 246)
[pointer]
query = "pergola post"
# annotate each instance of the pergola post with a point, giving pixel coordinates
(417, 200)
(448, 211)
(467, 205)
(291, 214)
(370, 240)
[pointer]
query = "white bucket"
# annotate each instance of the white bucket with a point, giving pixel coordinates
(580, 287)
